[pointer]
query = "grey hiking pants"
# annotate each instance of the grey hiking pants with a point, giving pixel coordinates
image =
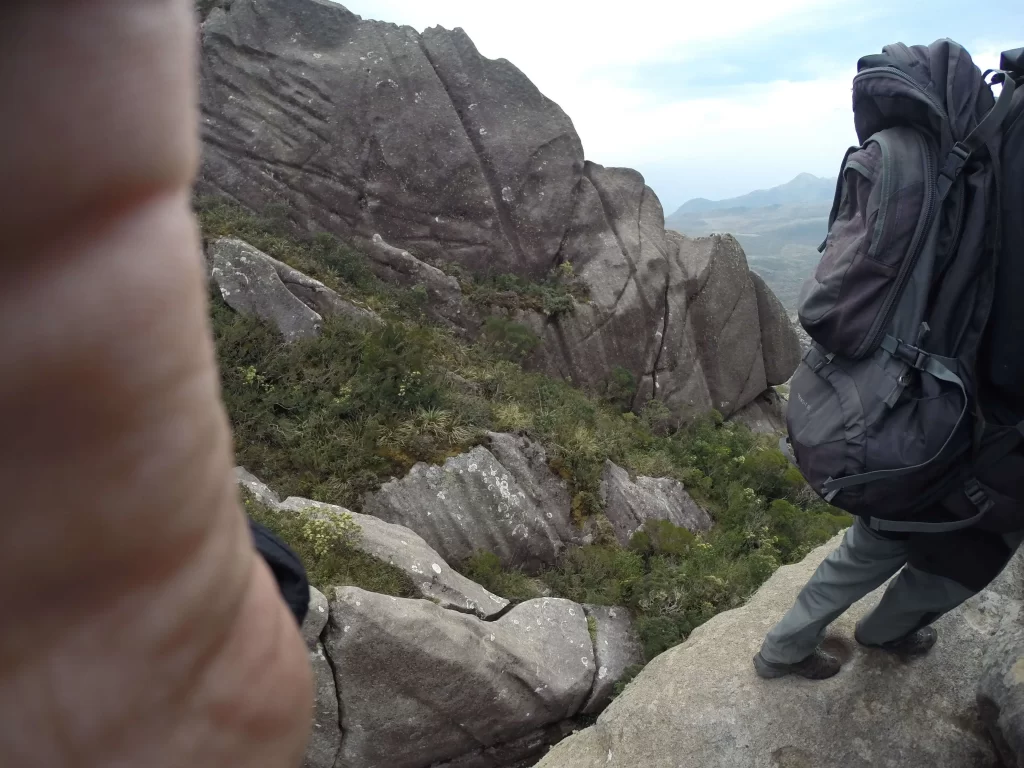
(862, 563)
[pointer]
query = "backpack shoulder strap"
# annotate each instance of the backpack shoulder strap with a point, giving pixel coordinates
(989, 126)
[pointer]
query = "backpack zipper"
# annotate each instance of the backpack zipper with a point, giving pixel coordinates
(896, 293)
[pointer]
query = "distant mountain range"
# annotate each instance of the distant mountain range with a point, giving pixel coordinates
(805, 188)
(779, 228)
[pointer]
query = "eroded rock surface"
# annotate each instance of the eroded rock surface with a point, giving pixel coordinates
(253, 283)
(515, 508)
(629, 504)
(421, 685)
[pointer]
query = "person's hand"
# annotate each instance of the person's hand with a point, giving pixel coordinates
(138, 629)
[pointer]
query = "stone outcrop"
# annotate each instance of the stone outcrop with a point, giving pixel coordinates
(403, 549)
(630, 504)
(725, 320)
(514, 507)
(419, 685)
(444, 297)
(700, 704)
(779, 342)
(428, 153)
(253, 283)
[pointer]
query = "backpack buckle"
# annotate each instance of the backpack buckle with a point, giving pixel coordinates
(977, 496)
(955, 161)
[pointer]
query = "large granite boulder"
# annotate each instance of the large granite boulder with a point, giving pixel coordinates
(636, 318)
(629, 504)
(403, 549)
(250, 284)
(700, 704)
(725, 320)
(368, 128)
(253, 283)
(428, 153)
(779, 342)
(515, 508)
(419, 685)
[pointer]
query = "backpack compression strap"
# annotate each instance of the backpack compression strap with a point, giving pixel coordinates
(922, 361)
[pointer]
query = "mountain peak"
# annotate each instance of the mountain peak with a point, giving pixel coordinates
(803, 188)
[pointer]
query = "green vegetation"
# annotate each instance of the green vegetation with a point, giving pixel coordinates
(325, 543)
(555, 296)
(332, 418)
(485, 569)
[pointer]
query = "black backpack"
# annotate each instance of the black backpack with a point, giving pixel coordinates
(289, 573)
(886, 416)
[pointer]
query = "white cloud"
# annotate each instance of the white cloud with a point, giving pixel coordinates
(590, 57)
(759, 134)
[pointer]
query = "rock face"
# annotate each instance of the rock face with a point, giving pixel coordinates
(325, 741)
(765, 415)
(1001, 694)
(725, 321)
(406, 551)
(419, 685)
(253, 283)
(386, 136)
(779, 341)
(700, 704)
(629, 504)
(515, 508)
(457, 680)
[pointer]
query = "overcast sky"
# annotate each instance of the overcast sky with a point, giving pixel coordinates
(712, 99)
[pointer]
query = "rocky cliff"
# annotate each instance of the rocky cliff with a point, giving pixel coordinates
(366, 129)
(700, 704)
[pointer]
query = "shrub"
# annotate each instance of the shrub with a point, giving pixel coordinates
(510, 340)
(334, 417)
(486, 570)
(325, 544)
(620, 388)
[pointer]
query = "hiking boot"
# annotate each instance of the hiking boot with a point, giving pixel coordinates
(818, 666)
(915, 644)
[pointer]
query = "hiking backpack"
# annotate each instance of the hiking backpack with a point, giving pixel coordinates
(886, 416)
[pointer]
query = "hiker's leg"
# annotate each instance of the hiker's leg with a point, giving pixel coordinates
(863, 562)
(944, 571)
(913, 600)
